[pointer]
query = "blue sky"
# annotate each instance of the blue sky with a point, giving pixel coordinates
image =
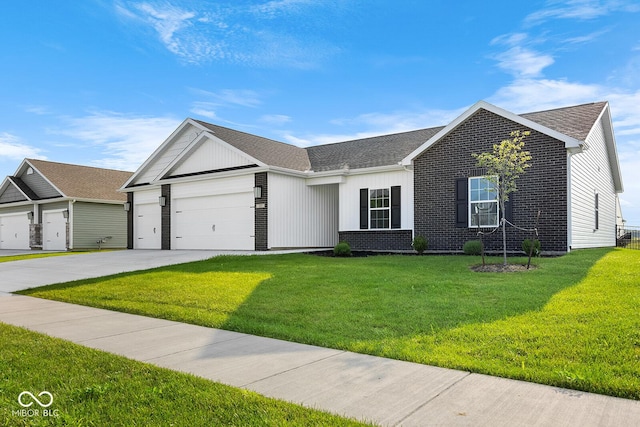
(104, 82)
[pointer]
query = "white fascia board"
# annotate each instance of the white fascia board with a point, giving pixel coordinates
(569, 142)
(45, 178)
(157, 152)
(193, 145)
(611, 146)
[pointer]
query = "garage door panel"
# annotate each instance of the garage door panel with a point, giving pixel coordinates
(14, 231)
(54, 231)
(214, 222)
(147, 226)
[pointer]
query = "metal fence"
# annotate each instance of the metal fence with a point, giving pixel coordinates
(628, 237)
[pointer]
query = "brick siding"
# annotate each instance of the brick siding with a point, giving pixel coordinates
(543, 186)
(166, 217)
(261, 214)
(384, 240)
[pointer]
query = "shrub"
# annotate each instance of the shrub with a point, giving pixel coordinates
(472, 247)
(419, 244)
(342, 249)
(526, 246)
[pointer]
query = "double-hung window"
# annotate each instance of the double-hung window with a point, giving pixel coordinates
(379, 208)
(483, 202)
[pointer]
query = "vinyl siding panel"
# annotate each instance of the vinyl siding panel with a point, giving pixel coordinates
(300, 215)
(350, 200)
(92, 221)
(13, 209)
(39, 185)
(12, 194)
(210, 155)
(591, 174)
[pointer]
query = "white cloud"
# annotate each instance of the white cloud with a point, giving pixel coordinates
(235, 33)
(580, 10)
(275, 119)
(125, 141)
(11, 148)
(522, 62)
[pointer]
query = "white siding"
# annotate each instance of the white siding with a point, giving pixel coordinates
(211, 155)
(350, 196)
(173, 150)
(591, 174)
(301, 215)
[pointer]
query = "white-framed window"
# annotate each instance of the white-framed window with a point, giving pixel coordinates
(483, 202)
(379, 208)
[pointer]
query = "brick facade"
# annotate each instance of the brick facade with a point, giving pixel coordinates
(130, 221)
(165, 217)
(543, 187)
(383, 240)
(261, 213)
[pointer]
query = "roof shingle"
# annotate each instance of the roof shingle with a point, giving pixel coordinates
(84, 182)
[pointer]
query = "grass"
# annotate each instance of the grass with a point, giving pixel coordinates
(93, 388)
(572, 322)
(9, 258)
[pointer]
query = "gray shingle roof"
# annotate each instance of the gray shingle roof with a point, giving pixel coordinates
(266, 150)
(84, 182)
(575, 121)
(368, 152)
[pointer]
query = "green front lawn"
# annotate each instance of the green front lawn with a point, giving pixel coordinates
(9, 258)
(572, 322)
(93, 388)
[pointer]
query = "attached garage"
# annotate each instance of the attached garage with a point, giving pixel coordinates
(14, 231)
(214, 214)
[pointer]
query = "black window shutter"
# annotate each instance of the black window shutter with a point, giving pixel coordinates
(508, 208)
(364, 208)
(395, 207)
(462, 205)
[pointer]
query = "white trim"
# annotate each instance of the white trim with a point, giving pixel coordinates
(5, 184)
(569, 142)
(158, 150)
(569, 204)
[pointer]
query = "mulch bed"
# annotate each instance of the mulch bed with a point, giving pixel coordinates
(499, 268)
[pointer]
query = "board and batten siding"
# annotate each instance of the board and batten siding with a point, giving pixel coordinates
(210, 155)
(173, 150)
(213, 187)
(301, 215)
(92, 221)
(350, 199)
(591, 174)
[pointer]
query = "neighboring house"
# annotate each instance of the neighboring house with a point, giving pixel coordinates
(210, 187)
(56, 206)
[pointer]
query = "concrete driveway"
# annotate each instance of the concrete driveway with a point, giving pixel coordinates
(31, 273)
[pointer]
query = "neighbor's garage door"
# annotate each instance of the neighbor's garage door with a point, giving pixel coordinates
(54, 231)
(14, 231)
(223, 221)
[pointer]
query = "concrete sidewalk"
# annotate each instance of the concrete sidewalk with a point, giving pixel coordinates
(387, 392)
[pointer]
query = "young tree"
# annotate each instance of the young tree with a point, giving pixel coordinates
(504, 166)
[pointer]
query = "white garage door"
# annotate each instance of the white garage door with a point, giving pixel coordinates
(214, 222)
(14, 231)
(54, 231)
(146, 227)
